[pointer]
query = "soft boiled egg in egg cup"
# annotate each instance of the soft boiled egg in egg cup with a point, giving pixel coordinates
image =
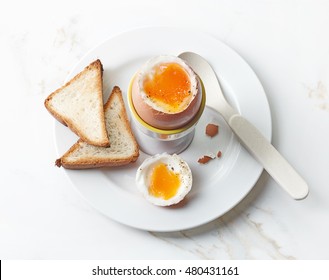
(164, 179)
(166, 99)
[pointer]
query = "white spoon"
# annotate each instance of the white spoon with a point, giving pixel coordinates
(274, 163)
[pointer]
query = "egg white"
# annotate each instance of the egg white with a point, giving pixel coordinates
(174, 162)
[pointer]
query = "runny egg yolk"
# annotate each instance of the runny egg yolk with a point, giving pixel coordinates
(170, 85)
(164, 182)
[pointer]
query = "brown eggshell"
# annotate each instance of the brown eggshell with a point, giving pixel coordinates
(211, 129)
(204, 159)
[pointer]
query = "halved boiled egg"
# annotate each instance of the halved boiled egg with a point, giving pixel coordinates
(164, 179)
(166, 92)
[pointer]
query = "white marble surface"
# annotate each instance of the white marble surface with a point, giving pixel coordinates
(41, 214)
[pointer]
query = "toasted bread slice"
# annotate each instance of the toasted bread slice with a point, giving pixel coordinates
(79, 105)
(123, 150)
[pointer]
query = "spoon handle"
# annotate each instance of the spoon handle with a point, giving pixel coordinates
(274, 163)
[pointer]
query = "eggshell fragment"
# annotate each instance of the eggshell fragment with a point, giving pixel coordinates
(204, 159)
(211, 129)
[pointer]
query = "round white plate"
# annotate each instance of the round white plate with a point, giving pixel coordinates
(217, 186)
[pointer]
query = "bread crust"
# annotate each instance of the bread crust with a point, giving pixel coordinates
(94, 162)
(66, 121)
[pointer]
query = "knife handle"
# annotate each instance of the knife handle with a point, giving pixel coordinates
(273, 162)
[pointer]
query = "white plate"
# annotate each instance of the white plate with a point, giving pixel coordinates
(217, 186)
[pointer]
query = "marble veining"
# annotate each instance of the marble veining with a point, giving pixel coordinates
(68, 35)
(275, 252)
(319, 95)
(45, 67)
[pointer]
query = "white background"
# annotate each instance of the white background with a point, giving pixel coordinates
(43, 217)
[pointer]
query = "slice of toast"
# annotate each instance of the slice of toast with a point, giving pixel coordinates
(123, 150)
(79, 105)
